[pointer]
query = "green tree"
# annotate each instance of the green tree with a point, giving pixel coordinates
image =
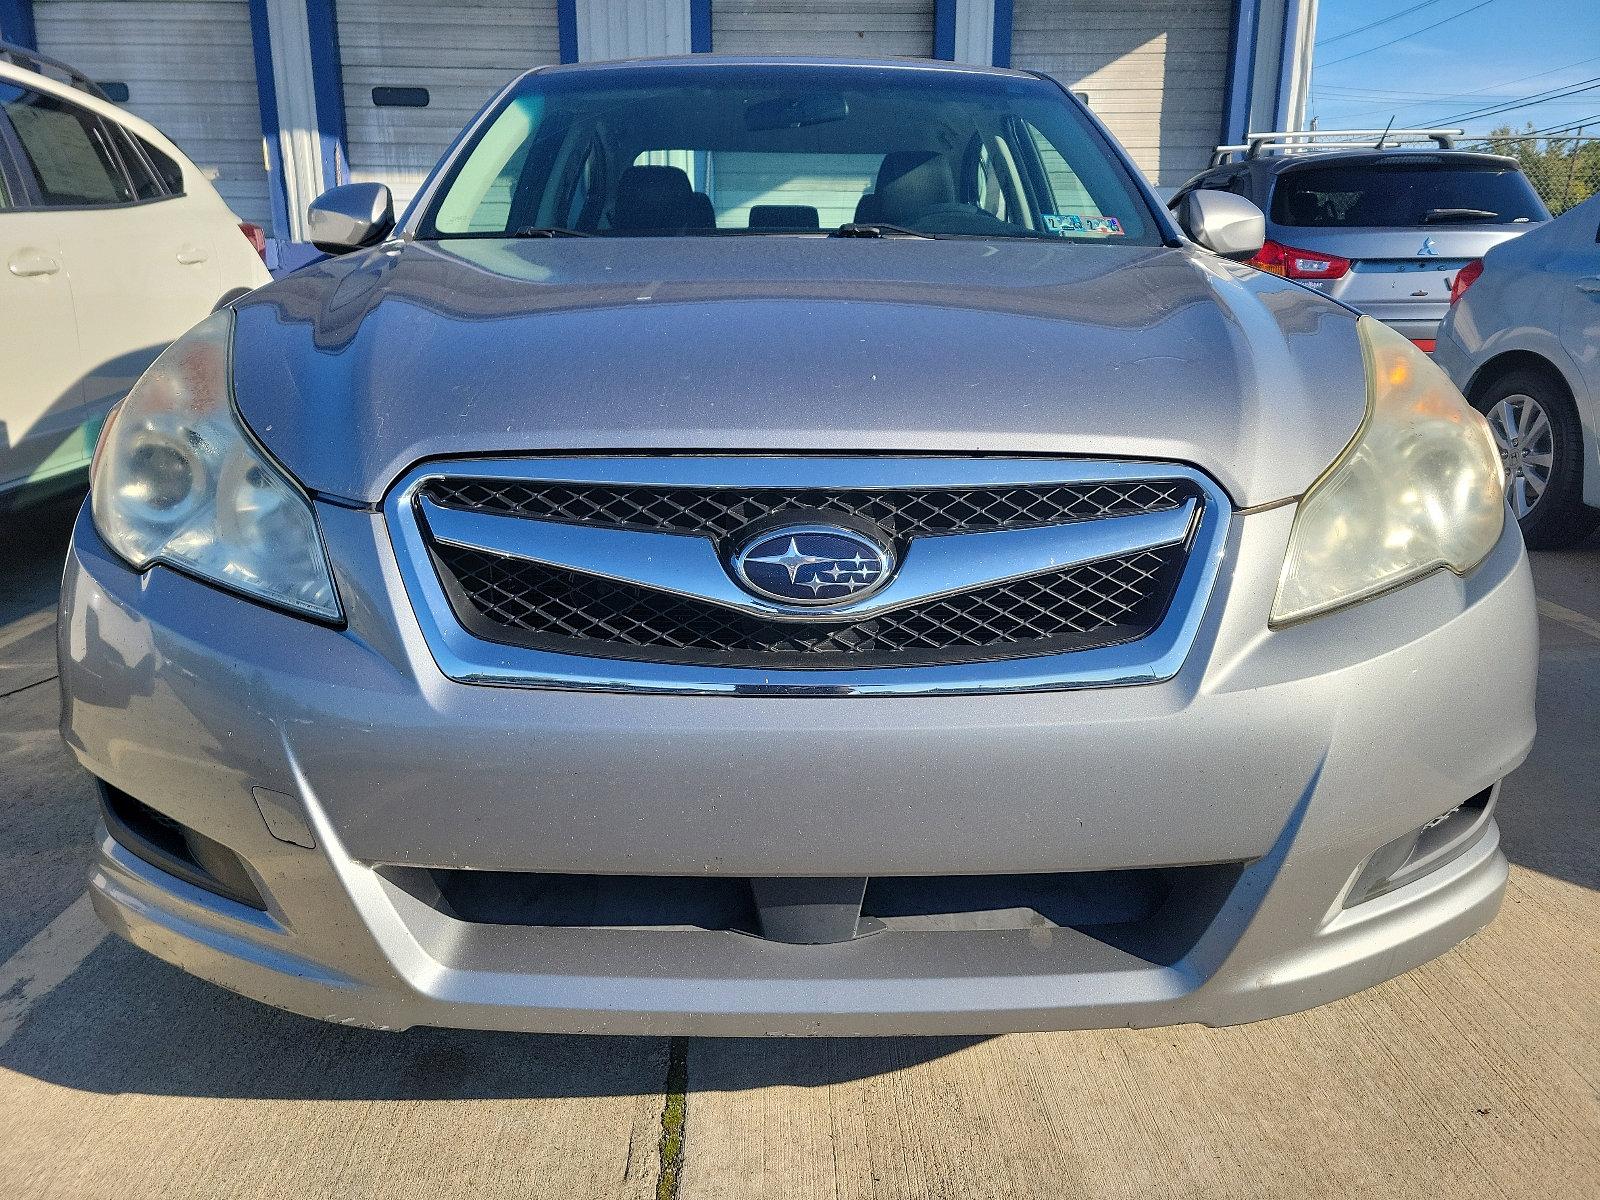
(1563, 170)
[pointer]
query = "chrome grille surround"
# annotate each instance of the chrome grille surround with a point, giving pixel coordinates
(469, 658)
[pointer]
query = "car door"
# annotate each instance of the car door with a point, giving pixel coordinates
(42, 406)
(1577, 268)
(143, 269)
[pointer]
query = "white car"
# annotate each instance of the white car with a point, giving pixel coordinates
(112, 243)
(1522, 341)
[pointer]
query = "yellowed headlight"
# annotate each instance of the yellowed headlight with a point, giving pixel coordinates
(1420, 488)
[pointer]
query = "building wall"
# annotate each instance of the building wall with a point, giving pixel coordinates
(1153, 71)
(848, 27)
(189, 70)
(281, 98)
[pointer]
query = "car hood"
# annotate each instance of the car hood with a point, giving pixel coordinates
(352, 370)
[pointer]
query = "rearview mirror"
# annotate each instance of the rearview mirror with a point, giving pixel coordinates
(1223, 223)
(796, 112)
(350, 217)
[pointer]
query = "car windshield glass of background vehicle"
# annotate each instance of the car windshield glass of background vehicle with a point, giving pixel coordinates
(725, 149)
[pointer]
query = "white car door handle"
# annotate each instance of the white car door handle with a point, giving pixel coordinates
(32, 262)
(190, 255)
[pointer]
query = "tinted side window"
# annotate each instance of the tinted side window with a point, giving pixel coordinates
(67, 149)
(166, 166)
(139, 171)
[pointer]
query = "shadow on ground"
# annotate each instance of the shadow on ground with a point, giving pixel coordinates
(33, 546)
(128, 1023)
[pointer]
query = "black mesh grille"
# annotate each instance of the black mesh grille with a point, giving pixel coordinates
(902, 513)
(1093, 604)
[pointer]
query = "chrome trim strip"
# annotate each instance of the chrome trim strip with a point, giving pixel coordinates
(468, 659)
(687, 564)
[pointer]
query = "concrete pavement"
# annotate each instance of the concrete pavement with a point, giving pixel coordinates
(1474, 1076)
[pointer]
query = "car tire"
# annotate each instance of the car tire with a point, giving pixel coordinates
(1536, 426)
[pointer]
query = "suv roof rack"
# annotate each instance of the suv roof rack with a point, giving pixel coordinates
(43, 64)
(1257, 145)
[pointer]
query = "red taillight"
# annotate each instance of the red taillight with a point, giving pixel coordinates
(1426, 345)
(256, 236)
(1293, 263)
(1465, 278)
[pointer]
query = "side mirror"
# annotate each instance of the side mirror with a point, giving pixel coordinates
(1223, 223)
(350, 217)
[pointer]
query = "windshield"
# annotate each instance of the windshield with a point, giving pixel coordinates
(1394, 193)
(788, 149)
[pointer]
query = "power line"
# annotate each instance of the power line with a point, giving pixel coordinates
(1339, 37)
(1470, 95)
(1566, 128)
(1412, 34)
(1550, 97)
(1366, 93)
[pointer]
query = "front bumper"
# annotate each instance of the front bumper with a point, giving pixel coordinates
(1294, 755)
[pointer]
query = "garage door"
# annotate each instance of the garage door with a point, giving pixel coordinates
(189, 68)
(415, 73)
(1154, 71)
(853, 27)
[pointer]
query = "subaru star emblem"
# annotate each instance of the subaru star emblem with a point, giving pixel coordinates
(812, 565)
(1427, 247)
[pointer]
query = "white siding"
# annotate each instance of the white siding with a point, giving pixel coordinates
(461, 52)
(609, 29)
(830, 183)
(190, 70)
(1154, 71)
(848, 27)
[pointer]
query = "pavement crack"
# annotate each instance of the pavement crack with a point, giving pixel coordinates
(674, 1111)
(17, 690)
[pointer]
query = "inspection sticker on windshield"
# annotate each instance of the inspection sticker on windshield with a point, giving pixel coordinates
(1067, 224)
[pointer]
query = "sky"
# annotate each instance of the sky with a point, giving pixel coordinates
(1445, 62)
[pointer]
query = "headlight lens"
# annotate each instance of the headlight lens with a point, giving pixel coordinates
(1420, 487)
(178, 480)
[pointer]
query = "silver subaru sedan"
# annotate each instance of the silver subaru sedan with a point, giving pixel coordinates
(776, 546)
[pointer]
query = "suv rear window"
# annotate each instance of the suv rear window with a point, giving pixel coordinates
(1404, 193)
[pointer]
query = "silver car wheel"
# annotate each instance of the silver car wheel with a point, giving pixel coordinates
(1527, 449)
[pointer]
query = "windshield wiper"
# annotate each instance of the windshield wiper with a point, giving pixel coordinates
(549, 231)
(876, 229)
(1436, 216)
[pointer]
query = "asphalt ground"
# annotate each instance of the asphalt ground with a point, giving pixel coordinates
(1476, 1075)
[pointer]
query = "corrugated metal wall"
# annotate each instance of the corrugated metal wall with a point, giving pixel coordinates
(610, 29)
(1154, 71)
(462, 53)
(853, 27)
(190, 71)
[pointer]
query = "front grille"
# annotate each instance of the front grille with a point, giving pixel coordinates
(1101, 603)
(534, 558)
(901, 512)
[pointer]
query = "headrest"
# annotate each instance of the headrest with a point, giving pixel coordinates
(784, 216)
(911, 184)
(653, 198)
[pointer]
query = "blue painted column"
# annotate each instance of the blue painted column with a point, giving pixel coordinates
(1002, 33)
(699, 26)
(944, 29)
(16, 23)
(1244, 31)
(567, 29)
(267, 100)
(327, 85)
